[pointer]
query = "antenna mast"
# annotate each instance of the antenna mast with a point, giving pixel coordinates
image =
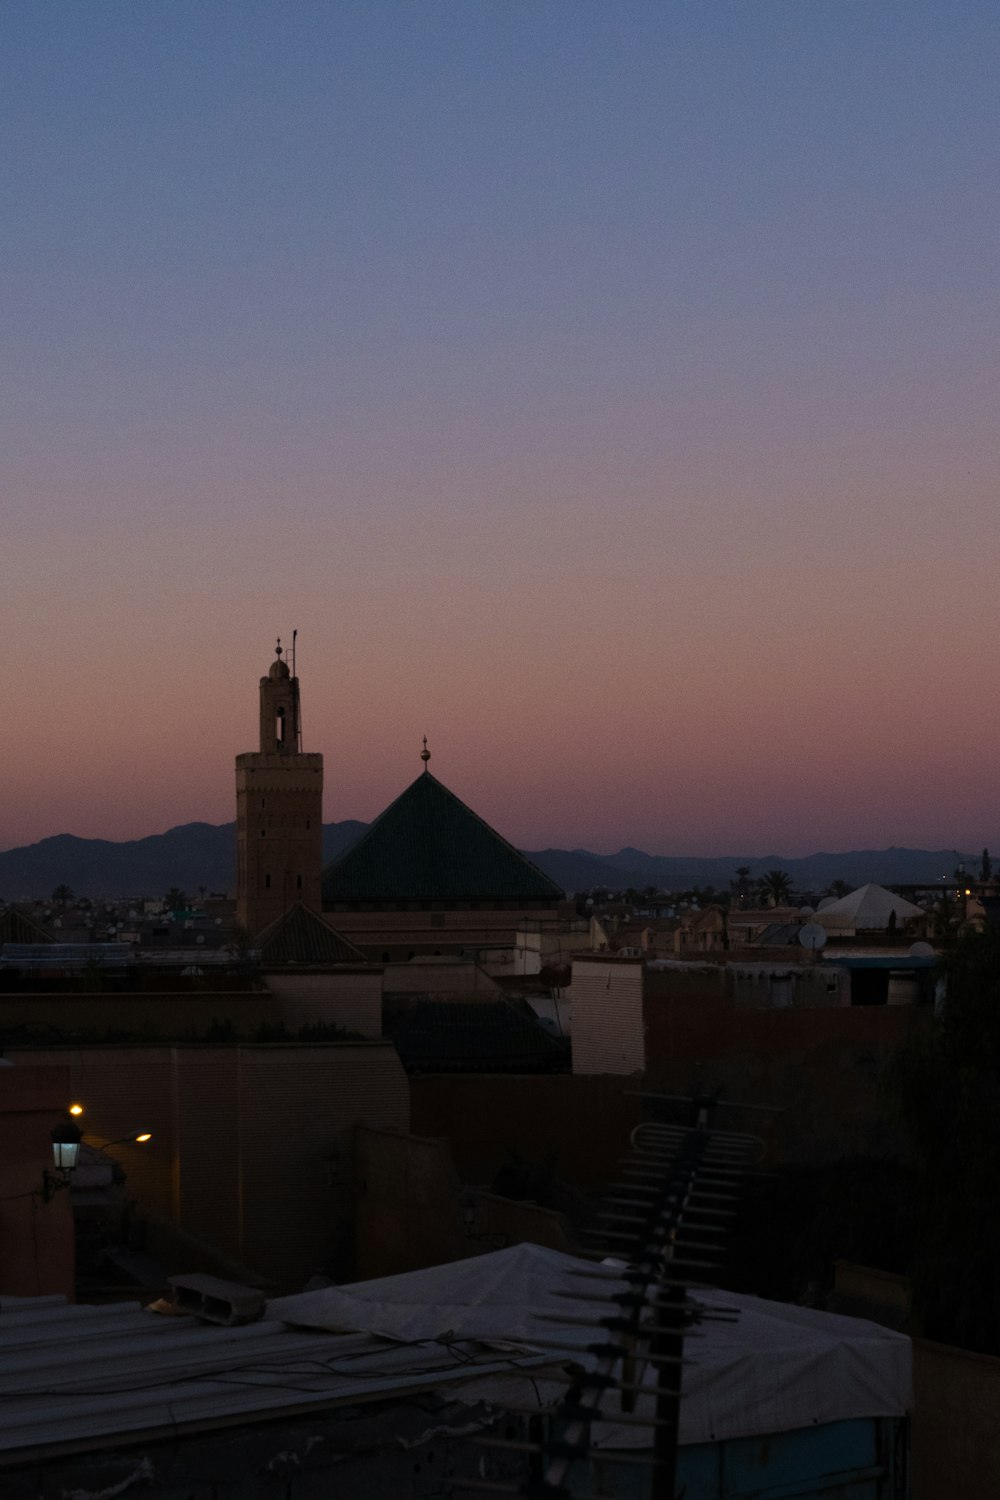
(295, 699)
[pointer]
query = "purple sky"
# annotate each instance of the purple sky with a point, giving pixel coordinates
(608, 392)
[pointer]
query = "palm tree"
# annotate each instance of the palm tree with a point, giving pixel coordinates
(740, 887)
(839, 888)
(775, 887)
(62, 894)
(175, 898)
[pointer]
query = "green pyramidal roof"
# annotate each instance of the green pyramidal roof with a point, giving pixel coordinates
(428, 846)
(302, 937)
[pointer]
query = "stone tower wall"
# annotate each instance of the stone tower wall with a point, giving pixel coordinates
(279, 835)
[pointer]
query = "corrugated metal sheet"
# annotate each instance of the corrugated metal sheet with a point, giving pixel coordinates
(78, 1377)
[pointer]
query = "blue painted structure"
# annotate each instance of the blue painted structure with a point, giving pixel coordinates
(862, 1459)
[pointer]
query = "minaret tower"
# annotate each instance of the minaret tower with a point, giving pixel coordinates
(279, 810)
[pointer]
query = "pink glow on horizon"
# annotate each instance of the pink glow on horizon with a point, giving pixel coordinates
(589, 682)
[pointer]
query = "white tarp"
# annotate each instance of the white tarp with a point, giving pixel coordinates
(867, 909)
(778, 1368)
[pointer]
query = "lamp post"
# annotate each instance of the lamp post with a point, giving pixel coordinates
(66, 1139)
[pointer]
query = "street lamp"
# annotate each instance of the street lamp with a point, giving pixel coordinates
(66, 1140)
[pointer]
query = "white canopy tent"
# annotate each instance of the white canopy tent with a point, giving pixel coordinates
(776, 1369)
(868, 909)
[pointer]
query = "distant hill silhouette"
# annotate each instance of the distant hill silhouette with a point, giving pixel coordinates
(203, 854)
(189, 856)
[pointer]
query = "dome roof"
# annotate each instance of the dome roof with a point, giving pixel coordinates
(279, 669)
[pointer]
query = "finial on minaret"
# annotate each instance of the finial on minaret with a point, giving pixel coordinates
(425, 754)
(277, 648)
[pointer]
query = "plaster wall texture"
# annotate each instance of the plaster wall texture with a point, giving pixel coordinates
(957, 1396)
(413, 1211)
(580, 1123)
(608, 1030)
(154, 1014)
(819, 1070)
(462, 980)
(36, 1238)
(251, 1145)
(400, 933)
(351, 1000)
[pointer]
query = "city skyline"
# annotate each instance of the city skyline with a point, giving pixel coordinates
(608, 395)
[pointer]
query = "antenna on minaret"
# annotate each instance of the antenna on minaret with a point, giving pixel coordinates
(295, 698)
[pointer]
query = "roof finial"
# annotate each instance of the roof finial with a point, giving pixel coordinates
(425, 754)
(278, 648)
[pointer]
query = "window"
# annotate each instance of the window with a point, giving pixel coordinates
(298, 882)
(279, 727)
(267, 882)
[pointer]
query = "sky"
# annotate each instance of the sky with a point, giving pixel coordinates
(608, 392)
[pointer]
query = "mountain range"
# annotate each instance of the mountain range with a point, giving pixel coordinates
(203, 854)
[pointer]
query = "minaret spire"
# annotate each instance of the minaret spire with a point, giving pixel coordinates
(425, 754)
(279, 807)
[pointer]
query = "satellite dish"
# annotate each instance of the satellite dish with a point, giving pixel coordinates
(812, 936)
(826, 901)
(921, 950)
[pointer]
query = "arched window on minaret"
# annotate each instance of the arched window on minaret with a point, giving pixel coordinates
(279, 728)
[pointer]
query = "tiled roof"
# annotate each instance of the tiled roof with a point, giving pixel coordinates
(301, 936)
(482, 1037)
(428, 846)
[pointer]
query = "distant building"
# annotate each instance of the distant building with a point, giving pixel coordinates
(430, 877)
(279, 810)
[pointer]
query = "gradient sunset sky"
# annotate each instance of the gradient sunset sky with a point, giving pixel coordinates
(607, 390)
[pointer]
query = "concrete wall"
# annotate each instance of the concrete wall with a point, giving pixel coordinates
(412, 1210)
(954, 1431)
(251, 1145)
(539, 945)
(36, 1238)
(400, 934)
(350, 1000)
(447, 980)
(608, 1033)
(166, 1014)
(819, 1069)
(581, 1123)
